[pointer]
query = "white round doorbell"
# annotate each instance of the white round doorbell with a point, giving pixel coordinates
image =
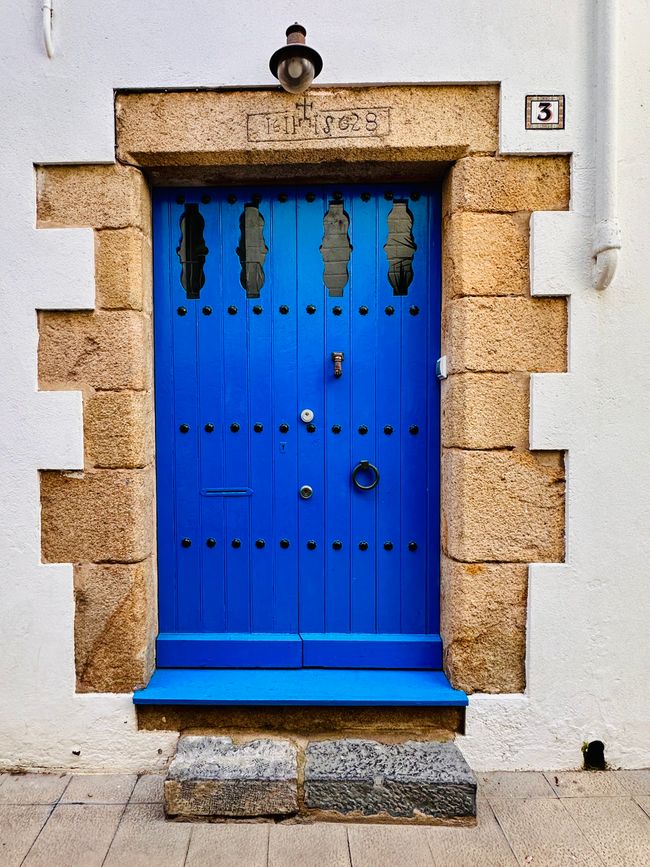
(307, 415)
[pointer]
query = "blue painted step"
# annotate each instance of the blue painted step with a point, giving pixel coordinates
(301, 687)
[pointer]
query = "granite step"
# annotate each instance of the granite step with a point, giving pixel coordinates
(211, 777)
(412, 780)
(415, 781)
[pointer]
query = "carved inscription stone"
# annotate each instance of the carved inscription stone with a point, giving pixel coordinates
(305, 123)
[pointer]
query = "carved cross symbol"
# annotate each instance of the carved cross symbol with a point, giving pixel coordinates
(304, 105)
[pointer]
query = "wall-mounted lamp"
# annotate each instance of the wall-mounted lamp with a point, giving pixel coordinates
(296, 65)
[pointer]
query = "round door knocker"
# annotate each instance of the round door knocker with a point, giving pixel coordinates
(365, 467)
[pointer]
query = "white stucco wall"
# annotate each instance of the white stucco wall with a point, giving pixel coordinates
(588, 648)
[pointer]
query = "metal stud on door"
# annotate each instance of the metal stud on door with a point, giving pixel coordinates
(297, 426)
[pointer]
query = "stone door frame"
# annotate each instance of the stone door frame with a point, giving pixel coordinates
(502, 504)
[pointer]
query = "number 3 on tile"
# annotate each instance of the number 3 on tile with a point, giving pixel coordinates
(545, 112)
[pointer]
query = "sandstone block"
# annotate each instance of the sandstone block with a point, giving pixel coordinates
(485, 410)
(506, 334)
(106, 350)
(97, 516)
(123, 269)
(509, 184)
(220, 128)
(103, 196)
(241, 722)
(486, 254)
(484, 625)
(503, 506)
(115, 625)
(211, 776)
(403, 780)
(118, 429)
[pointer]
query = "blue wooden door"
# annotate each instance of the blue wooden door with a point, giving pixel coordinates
(297, 419)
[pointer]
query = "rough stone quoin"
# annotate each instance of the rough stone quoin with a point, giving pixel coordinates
(512, 506)
(113, 611)
(486, 254)
(123, 269)
(485, 411)
(98, 516)
(107, 513)
(502, 505)
(508, 184)
(104, 197)
(484, 624)
(104, 349)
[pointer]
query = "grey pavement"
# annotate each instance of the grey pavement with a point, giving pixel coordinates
(524, 818)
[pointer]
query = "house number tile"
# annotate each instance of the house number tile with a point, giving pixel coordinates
(545, 112)
(306, 123)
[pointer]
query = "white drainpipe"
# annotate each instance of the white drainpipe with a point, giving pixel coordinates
(607, 233)
(47, 27)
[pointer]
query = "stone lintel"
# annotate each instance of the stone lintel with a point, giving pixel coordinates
(271, 127)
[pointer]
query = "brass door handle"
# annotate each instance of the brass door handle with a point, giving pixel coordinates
(337, 358)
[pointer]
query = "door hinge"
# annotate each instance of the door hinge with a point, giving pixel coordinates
(441, 367)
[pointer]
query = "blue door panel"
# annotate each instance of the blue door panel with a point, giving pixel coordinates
(229, 650)
(251, 574)
(284, 444)
(343, 650)
(362, 369)
(413, 386)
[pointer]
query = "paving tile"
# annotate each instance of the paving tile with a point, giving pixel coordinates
(33, 788)
(514, 784)
(636, 782)
(617, 828)
(482, 846)
(19, 827)
(308, 846)
(541, 832)
(388, 846)
(586, 784)
(644, 802)
(149, 789)
(144, 838)
(76, 834)
(244, 845)
(99, 789)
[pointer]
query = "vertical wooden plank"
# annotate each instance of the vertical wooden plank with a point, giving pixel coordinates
(361, 368)
(311, 361)
(185, 352)
(433, 411)
(416, 381)
(389, 411)
(285, 312)
(210, 426)
(337, 460)
(164, 311)
(236, 392)
(260, 318)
